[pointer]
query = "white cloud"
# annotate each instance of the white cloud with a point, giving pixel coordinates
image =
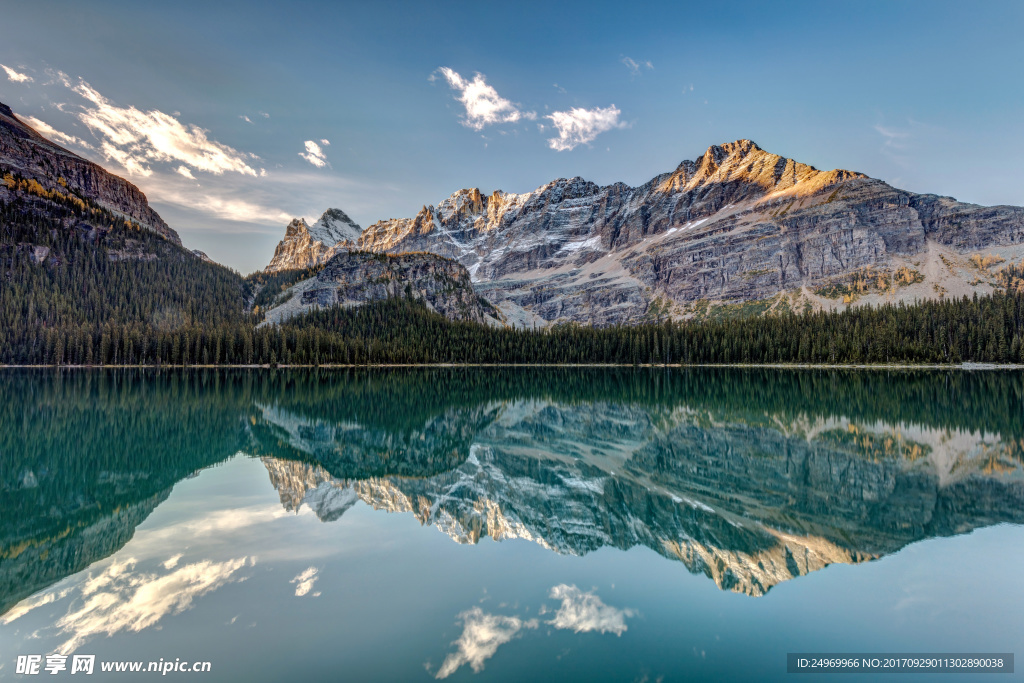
(314, 154)
(584, 611)
(325, 142)
(304, 582)
(482, 634)
(483, 104)
(172, 561)
(240, 210)
(48, 131)
(15, 76)
(580, 126)
(185, 171)
(58, 76)
(264, 114)
(135, 138)
(245, 118)
(635, 66)
(123, 599)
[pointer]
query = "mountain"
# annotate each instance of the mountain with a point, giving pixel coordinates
(748, 503)
(352, 278)
(305, 246)
(737, 226)
(26, 153)
(87, 267)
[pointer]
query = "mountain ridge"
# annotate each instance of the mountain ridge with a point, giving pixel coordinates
(27, 152)
(734, 226)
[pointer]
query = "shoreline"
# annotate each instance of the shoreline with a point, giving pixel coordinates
(332, 366)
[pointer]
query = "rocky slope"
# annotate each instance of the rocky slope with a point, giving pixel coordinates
(304, 246)
(739, 224)
(749, 505)
(352, 278)
(25, 152)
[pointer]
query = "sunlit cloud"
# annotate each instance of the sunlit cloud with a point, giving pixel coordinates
(635, 66)
(29, 604)
(58, 76)
(482, 635)
(245, 118)
(240, 210)
(185, 171)
(583, 611)
(135, 139)
(314, 154)
(304, 582)
(120, 598)
(51, 133)
(15, 76)
(484, 106)
(580, 126)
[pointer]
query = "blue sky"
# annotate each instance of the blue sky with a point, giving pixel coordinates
(925, 95)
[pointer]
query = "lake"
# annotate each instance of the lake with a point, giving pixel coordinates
(651, 524)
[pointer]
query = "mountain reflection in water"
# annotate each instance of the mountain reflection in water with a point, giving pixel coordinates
(748, 476)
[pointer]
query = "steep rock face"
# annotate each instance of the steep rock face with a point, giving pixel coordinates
(747, 505)
(352, 278)
(735, 225)
(26, 152)
(304, 246)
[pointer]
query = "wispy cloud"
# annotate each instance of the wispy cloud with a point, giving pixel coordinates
(580, 126)
(635, 66)
(314, 154)
(121, 598)
(898, 142)
(226, 208)
(583, 611)
(482, 634)
(15, 76)
(135, 139)
(484, 106)
(48, 131)
(245, 118)
(185, 171)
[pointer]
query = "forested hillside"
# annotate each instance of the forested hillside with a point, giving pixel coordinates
(81, 285)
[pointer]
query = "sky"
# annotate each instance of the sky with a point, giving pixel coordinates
(234, 117)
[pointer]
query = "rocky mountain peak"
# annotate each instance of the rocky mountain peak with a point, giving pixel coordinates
(307, 245)
(296, 227)
(335, 226)
(750, 172)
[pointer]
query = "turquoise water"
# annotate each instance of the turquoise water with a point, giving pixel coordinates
(472, 524)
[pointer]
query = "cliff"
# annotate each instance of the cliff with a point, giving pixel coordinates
(29, 154)
(737, 225)
(352, 278)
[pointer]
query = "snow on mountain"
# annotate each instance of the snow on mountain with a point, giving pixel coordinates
(739, 224)
(305, 246)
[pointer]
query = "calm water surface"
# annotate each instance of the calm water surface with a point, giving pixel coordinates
(469, 524)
